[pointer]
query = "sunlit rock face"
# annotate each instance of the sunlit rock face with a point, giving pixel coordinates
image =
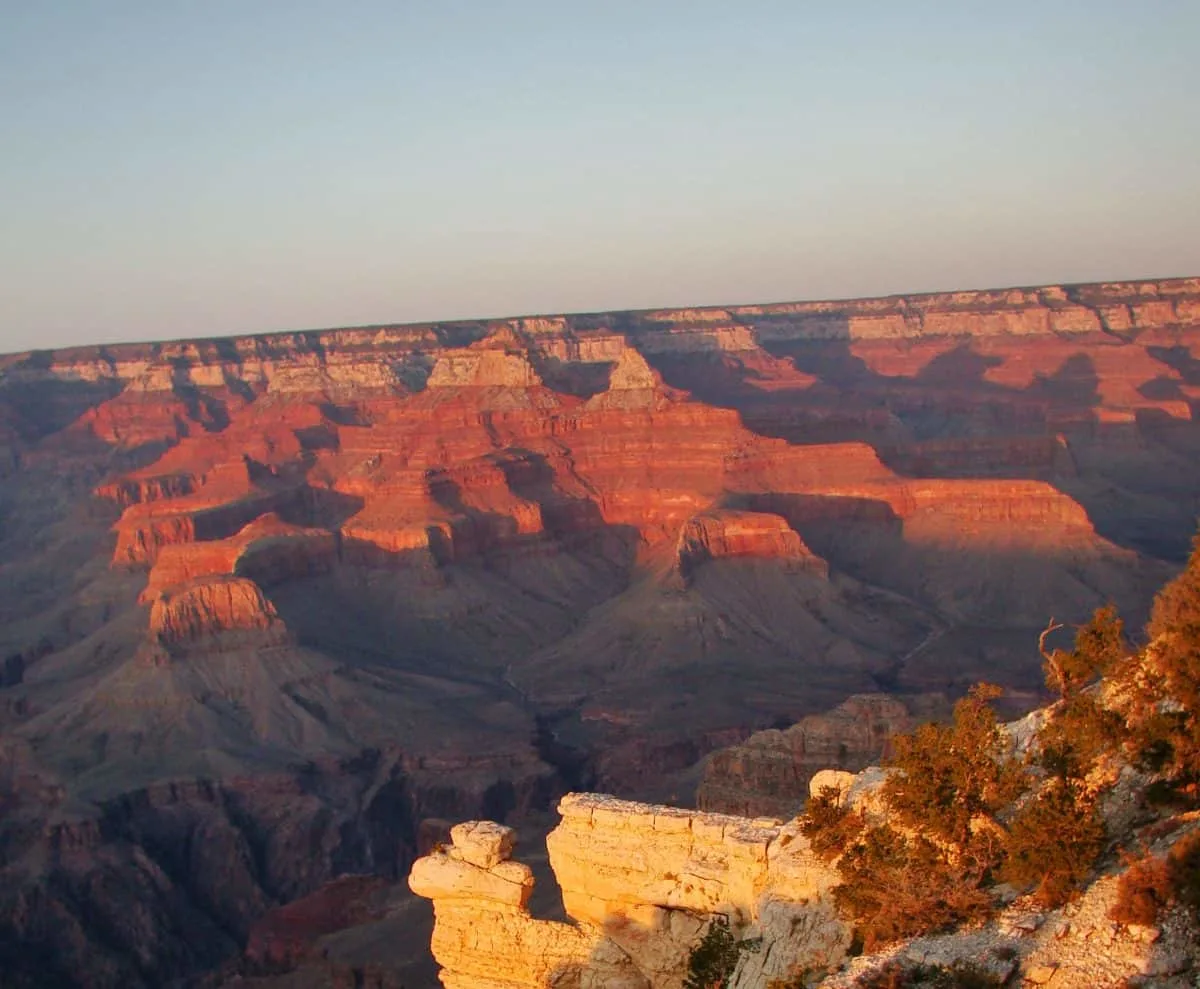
(641, 882)
(208, 606)
(510, 558)
(720, 534)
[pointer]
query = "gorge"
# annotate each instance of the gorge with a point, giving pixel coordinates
(274, 607)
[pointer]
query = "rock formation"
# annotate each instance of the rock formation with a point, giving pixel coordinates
(722, 533)
(641, 882)
(769, 773)
(266, 551)
(482, 367)
(211, 605)
(480, 898)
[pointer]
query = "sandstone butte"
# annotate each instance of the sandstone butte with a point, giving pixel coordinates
(279, 600)
(640, 883)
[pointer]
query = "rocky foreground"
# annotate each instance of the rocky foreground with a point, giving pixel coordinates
(270, 605)
(641, 882)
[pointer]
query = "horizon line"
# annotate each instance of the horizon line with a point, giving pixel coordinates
(581, 313)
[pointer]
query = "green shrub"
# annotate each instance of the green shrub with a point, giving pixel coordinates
(828, 825)
(1078, 733)
(953, 787)
(1080, 730)
(714, 958)
(949, 776)
(1177, 606)
(1184, 865)
(931, 872)
(1053, 841)
(1154, 883)
(1143, 892)
(895, 887)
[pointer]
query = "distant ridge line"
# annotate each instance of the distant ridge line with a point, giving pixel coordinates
(1053, 296)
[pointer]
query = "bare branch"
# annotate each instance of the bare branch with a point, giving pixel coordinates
(1055, 677)
(1052, 626)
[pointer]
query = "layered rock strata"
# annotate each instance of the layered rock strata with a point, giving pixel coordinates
(358, 358)
(769, 773)
(437, 444)
(267, 550)
(211, 605)
(721, 534)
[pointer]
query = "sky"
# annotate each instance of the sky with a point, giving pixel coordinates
(175, 168)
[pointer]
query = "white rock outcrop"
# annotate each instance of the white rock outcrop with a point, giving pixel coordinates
(483, 935)
(642, 883)
(482, 368)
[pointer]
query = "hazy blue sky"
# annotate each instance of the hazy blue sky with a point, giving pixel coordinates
(172, 168)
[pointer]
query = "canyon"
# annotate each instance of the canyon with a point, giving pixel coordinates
(271, 604)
